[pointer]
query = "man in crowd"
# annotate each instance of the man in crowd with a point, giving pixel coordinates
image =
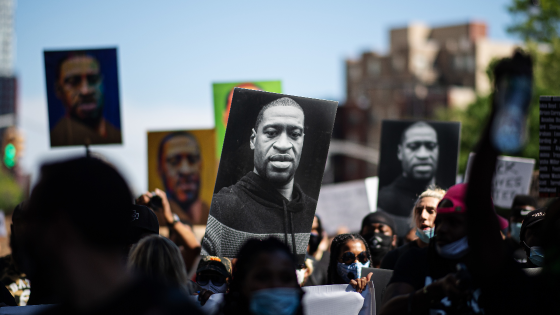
(179, 166)
(79, 86)
(267, 201)
(143, 222)
(531, 239)
(418, 152)
(74, 242)
(521, 206)
(425, 280)
(378, 230)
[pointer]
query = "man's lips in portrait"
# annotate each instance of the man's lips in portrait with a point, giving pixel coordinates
(281, 161)
(423, 168)
(187, 184)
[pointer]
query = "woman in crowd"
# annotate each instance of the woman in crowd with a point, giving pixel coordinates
(422, 218)
(264, 281)
(349, 253)
(159, 259)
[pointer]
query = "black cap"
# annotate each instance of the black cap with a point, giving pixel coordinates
(379, 217)
(534, 217)
(519, 204)
(142, 221)
(222, 265)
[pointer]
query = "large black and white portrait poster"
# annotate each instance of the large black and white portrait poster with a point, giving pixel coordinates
(414, 155)
(270, 172)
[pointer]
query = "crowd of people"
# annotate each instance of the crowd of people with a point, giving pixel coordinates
(82, 244)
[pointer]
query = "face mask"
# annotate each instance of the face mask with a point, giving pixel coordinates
(214, 288)
(314, 241)
(516, 231)
(276, 301)
(536, 255)
(425, 235)
(379, 245)
(454, 250)
(352, 271)
(300, 273)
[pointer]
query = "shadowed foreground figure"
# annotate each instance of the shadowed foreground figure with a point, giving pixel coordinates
(78, 219)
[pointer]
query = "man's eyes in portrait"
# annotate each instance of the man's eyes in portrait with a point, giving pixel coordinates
(271, 132)
(175, 160)
(296, 133)
(76, 80)
(430, 145)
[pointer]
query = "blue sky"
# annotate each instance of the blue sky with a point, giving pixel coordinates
(170, 52)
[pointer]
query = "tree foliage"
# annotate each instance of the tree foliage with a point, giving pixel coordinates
(539, 24)
(11, 193)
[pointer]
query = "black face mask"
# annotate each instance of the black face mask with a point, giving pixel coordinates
(379, 245)
(314, 241)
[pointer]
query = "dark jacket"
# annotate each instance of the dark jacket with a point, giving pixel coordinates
(253, 208)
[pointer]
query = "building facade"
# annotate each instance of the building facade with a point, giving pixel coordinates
(8, 82)
(426, 69)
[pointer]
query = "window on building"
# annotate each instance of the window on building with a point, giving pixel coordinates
(374, 67)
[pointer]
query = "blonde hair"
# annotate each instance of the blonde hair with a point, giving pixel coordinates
(432, 191)
(158, 258)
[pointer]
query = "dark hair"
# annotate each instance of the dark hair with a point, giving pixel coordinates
(320, 228)
(284, 101)
(336, 246)
(416, 125)
(173, 135)
(90, 194)
(235, 302)
(73, 54)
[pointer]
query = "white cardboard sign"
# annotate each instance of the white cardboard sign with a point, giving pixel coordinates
(513, 177)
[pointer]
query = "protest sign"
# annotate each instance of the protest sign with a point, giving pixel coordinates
(182, 163)
(549, 146)
(512, 177)
(345, 204)
(410, 161)
(269, 178)
(223, 93)
(83, 97)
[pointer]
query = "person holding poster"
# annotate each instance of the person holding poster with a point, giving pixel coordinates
(418, 153)
(78, 84)
(267, 200)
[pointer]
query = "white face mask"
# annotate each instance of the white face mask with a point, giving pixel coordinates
(454, 250)
(214, 288)
(300, 273)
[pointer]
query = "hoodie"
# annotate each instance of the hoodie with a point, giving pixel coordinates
(253, 208)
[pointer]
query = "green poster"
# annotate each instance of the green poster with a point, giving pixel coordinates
(223, 93)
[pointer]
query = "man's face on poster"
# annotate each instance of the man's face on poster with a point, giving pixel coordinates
(80, 88)
(419, 152)
(180, 167)
(278, 143)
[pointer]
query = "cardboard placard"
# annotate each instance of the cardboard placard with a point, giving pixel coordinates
(83, 97)
(270, 172)
(512, 177)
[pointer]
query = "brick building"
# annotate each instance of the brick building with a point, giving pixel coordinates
(424, 70)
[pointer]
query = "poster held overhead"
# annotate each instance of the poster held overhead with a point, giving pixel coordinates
(410, 162)
(270, 172)
(182, 163)
(223, 94)
(512, 177)
(83, 97)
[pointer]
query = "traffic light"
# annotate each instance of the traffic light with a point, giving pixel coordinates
(10, 155)
(12, 147)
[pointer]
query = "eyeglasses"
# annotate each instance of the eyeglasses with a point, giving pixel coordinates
(216, 280)
(349, 258)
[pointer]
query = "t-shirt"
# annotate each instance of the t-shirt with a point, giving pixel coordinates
(142, 297)
(390, 260)
(15, 281)
(420, 267)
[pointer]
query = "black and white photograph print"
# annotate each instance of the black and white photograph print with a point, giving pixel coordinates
(413, 156)
(270, 172)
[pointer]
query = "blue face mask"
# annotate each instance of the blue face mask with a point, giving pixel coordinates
(454, 250)
(536, 255)
(425, 235)
(275, 301)
(352, 271)
(516, 231)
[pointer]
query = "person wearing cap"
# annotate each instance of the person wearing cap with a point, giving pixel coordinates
(214, 273)
(521, 206)
(531, 238)
(143, 222)
(422, 220)
(378, 229)
(427, 280)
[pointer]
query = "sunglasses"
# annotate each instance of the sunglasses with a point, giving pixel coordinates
(349, 258)
(216, 280)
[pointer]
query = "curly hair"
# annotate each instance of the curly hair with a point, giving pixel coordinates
(235, 302)
(337, 243)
